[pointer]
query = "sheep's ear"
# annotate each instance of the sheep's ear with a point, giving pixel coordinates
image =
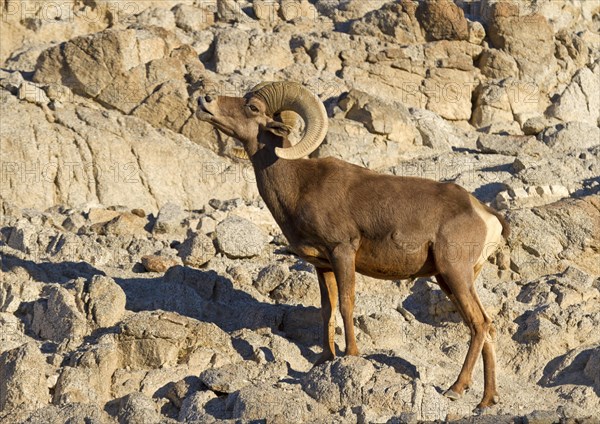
(278, 128)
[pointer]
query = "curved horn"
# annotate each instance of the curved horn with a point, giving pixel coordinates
(282, 96)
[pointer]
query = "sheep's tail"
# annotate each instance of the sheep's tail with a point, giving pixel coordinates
(505, 225)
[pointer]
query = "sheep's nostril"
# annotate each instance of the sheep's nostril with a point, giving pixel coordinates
(208, 98)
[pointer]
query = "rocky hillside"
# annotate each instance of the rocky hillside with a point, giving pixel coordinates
(143, 280)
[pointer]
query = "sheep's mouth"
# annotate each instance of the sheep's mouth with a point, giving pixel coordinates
(203, 113)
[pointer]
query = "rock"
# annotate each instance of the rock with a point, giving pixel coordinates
(80, 384)
(73, 222)
(304, 325)
(169, 220)
(101, 216)
(509, 101)
(229, 378)
(230, 51)
(12, 334)
(541, 417)
(200, 407)
(291, 10)
(231, 11)
(435, 132)
(165, 339)
(344, 382)
(57, 317)
(442, 20)
(23, 378)
(592, 368)
(94, 75)
(197, 250)
(276, 404)
(192, 18)
(266, 10)
(476, 32)
(12, 82)
(33, 93)
(126, 224)
(378, 117)
(70, 412)
(271, 277)
(574, 136)
(207, 225)
(369, 150)
(23, 237)
(529, 39)
(124, 162)
(299, 288)
(397, 21)
(158, 263)
(579, 101)
(239, 238)
(137, 408)
(511, 145)
(105, 301)
(497, 64)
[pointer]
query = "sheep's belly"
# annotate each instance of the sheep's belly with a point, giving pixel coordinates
(393, 261)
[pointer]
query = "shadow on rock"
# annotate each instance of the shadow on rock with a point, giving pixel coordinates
(401, 365)
(49, 272)
(579, 367)
(210, 297)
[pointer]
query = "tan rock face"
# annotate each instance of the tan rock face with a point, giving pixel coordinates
(442, 20)
(23, 382)
(529, 39)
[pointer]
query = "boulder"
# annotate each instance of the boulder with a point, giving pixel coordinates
(277, 404)
(580, 100)
(70, 412)
(239, 238)
(442, 20)
(435, 132)
(193, 18)
(169, 220)
(105, 301)
(350, 381)
(197, 250)
(158, 263)
(529, 39)
(271, 277)
(300, 287)
(572, 137)
(390, 120)
(137, 408)
(23, 378)
(124, 161)
(58, 317)
(291, 10)
(230, 51)
(395, 21)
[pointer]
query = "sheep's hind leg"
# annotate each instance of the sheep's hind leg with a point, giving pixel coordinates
(329, 295)
(342, 261)
(460, 285)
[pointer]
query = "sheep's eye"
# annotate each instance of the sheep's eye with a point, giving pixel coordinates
(253, 108)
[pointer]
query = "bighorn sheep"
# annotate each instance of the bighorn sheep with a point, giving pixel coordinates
(343, 218)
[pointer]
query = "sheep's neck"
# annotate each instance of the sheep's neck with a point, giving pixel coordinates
(278, 184)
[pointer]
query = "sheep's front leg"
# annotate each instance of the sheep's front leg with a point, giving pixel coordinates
(342, 262)
(329, 297)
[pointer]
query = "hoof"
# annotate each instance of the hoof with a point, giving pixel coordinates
(479, 411)
(487, 403)
(452, 395)
(324, 358)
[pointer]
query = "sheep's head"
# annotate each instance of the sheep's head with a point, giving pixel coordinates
(248, 118)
